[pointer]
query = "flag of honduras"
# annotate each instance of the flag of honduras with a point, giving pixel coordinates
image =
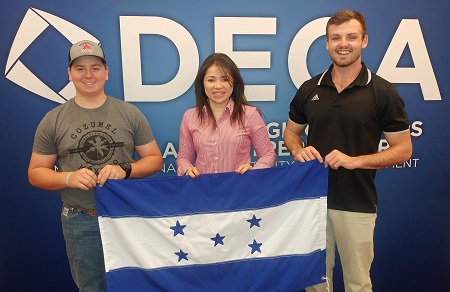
(261, 231)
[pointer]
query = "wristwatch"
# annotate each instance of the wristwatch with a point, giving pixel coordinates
(126, 166)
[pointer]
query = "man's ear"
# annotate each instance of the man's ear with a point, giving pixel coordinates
(365, 41)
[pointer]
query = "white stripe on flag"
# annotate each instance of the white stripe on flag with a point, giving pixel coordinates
(149, 243)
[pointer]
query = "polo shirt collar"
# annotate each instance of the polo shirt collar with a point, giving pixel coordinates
(364, 77)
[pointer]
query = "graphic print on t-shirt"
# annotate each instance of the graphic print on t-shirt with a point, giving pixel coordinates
(96, 147)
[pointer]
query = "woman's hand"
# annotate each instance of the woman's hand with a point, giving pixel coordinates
(243, 168)
(193, 172)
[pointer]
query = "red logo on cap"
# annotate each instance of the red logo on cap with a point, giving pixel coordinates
(86, 46)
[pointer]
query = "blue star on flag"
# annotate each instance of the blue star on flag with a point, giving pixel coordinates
(255, 246)
(254, 221)
(177, 229)
(218, 239)
(181, 255)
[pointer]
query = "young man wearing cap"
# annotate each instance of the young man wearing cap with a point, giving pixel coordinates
(93, 138)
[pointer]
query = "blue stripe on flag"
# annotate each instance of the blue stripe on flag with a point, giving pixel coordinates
(219, 192)
(279, 274)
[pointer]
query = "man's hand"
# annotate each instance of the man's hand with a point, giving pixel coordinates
(110, 172)
(336, 159)
(306, 154)
(83, 178)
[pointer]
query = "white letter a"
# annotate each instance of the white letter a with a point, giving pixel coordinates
(409, 33)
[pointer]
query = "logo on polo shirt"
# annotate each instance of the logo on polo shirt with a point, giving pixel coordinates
(33, 25)
(315, 97)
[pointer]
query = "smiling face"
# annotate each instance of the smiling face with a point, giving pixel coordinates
(89, 75)
(218, 86)
(345, 43)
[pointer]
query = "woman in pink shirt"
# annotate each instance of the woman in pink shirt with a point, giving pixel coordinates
(218, 133)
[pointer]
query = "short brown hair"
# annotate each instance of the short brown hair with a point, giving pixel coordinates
(345, 15)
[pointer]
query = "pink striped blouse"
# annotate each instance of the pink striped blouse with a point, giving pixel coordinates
(226, 147)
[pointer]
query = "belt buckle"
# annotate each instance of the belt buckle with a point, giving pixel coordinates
(92, 212)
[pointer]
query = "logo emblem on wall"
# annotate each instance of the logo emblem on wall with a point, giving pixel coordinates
(33, 24)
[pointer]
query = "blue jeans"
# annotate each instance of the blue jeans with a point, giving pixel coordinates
(84, 249)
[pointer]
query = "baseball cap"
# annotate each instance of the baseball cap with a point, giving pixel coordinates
(85, 48)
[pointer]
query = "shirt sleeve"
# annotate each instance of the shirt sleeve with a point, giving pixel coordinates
(393, 115)
(143, 133)
(186, 150)
(296, 111)
(44, 137)
(261, 142)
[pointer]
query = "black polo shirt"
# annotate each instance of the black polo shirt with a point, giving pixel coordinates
(352, 122)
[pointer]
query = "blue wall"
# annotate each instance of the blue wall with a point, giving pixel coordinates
(152, 40)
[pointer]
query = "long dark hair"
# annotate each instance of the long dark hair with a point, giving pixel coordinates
(238, 96)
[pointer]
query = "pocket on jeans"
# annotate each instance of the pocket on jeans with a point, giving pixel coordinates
(69, 213)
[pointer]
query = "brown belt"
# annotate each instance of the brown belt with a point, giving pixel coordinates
(92, 212)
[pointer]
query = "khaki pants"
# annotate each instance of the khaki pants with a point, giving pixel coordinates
(352, 233)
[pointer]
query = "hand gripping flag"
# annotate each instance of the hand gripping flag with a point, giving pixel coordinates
(261, 231)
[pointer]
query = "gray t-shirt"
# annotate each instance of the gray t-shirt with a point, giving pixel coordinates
(91, 138)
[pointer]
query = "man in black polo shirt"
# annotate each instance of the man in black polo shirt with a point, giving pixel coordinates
(347, 108)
